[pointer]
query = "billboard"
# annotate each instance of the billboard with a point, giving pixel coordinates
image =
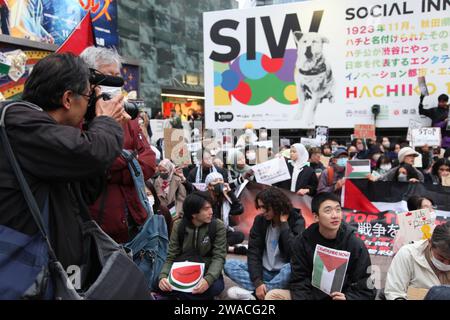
(324, 63)
(51, 21)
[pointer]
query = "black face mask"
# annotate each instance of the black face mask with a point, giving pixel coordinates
(218, 188)
(164, 176)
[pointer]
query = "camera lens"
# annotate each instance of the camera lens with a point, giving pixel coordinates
(132, 109)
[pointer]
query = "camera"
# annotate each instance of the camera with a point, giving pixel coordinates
(131, 107)
(96, 79)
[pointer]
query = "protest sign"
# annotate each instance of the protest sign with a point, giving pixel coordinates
(285, 142)
(426, 136)
(416, 225)
(423, 86)
(265, 144)
(364, 131)
(175, 146)
(413, 124)
(271, 171)
(157, 129)
(329, 268)
(184, 276)
(308, 142)
(322, 134)
(357, 169)
(418, 161)
(446, 181)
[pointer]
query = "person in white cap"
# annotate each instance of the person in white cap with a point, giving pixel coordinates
(226, 204)
(406, 156)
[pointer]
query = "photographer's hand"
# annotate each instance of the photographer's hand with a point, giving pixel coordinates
(111, 108)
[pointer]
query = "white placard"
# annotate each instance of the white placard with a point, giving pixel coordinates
(426, 136)
(413, 124)
(308, 142)
(271, 171)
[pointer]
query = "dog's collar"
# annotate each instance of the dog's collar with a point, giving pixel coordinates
(314, 71)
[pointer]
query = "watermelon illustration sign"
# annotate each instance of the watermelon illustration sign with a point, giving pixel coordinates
(184, 276)
(326, 63)
(329, 269)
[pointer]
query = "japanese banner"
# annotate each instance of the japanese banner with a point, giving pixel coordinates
(323, 62)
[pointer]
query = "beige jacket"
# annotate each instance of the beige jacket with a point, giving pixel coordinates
(177, 194)
(409, 268)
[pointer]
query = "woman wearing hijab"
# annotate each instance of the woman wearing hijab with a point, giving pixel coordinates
(303, 178)
(238, 170)
(171, 187)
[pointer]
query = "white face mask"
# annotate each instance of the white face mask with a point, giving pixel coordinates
(440, 265)
(251, 156)
(402, 178)
(112, 91)
(386, 167)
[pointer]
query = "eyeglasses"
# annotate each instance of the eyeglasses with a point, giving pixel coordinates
(85, 95)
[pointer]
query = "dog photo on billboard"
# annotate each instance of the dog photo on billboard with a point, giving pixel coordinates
(313, 76)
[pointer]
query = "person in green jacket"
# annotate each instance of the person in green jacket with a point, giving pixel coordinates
(198, 238)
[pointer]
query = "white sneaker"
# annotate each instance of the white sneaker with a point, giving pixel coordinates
(238, 293)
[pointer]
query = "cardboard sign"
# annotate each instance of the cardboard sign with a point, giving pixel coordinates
(175, 146)
(426, 136)
(416, 225)
(413, 124)
(365, 131)
(423, 86)
(157, 129)
(329, 268)
(271, 171)
(446, 181)
(357, 169)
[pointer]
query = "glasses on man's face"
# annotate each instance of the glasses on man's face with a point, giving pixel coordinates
(88, 96)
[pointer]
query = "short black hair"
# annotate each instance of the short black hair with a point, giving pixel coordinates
(321, 198)
(441, 237)
(273, 198)
(194, 203)
(443, 97)
(54, 75)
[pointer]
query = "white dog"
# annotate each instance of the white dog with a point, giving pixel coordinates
(313, 76)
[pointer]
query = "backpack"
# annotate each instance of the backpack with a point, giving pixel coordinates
(149, 247)
(193, 255)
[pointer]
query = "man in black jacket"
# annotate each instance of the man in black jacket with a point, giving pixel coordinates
(329, 231)
(439, 117)
(59, 160)
(269, 252)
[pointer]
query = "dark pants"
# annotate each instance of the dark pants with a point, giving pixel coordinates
(214, 290)
(234, 237)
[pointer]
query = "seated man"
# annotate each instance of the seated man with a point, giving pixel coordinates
(422, 264)
(225, 204)
(331, 232)
(195, 243)
(269, 252)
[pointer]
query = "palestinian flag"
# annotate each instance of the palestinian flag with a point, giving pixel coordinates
(5, 64)
(184, 276)
(375, 197)
(329, 269)
(357, 169)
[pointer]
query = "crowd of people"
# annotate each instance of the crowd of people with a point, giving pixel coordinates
(69, 166)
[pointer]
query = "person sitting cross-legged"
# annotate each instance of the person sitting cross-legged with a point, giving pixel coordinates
(269, 248)
(331, 233)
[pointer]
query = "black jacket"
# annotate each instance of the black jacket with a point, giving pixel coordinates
(356, 279)
(307, 179)
(257, 242)
(236, 207)
(56, 159)
(205, 171)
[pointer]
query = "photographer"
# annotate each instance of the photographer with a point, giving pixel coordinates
(118, 210)
(57, 158)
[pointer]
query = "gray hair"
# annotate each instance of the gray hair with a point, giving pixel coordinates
(96, 57)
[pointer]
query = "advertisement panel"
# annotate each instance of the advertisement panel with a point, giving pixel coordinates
(324, 63)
